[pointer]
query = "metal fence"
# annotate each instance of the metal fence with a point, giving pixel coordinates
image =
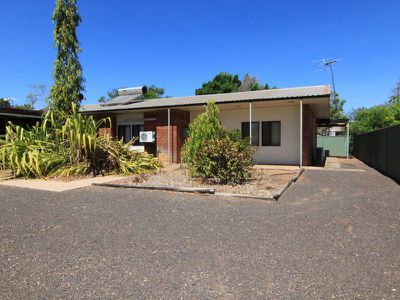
(380, 149)
(337, 145)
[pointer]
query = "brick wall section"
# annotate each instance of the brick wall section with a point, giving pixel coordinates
(150, 124)
(110, 129)
(158, 122)
(309, 136)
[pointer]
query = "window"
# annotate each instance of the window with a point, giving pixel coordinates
(124, 132)
(127, 132)
(255, 133)
(271, 133)
(136, 129)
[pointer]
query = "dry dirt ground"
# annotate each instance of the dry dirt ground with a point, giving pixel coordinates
(263, 183)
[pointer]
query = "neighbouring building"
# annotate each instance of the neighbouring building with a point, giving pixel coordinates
(23, 117)
(283, 121)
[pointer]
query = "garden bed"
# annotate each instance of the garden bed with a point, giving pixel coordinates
(264, 183)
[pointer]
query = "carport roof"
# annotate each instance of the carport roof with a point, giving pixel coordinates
(320, 91)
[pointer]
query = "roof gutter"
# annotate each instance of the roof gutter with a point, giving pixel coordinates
(20, 116)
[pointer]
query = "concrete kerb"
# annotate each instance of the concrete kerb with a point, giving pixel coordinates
(287, 185)
(161, 188)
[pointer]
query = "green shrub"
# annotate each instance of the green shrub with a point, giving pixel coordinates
(73, 148)
(214, 154)
(205, 127)
(225, 160)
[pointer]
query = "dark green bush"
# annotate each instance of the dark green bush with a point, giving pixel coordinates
(214, 154)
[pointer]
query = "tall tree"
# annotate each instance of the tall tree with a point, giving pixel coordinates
(336, 111)
(67, 74)
(222, 83)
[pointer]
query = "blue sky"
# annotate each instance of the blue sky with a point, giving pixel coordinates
(180, 44)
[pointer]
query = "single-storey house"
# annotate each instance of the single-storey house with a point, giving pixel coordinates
(283, 121)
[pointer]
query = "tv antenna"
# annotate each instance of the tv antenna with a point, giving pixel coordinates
(326, 64)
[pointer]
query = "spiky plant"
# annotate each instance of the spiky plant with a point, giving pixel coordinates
(75, 148)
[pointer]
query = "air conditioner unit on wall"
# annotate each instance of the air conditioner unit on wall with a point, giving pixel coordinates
(147, 136)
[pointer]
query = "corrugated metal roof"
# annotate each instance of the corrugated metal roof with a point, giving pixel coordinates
(267, 95)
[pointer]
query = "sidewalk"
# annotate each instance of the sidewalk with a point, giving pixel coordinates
(56, 185)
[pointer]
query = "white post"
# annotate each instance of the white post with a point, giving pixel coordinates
(348, 139)
(250, 124)
(301, 133)
(169, 135)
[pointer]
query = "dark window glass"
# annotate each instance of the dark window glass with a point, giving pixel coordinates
(255, 133)
(136, 129)
(271, 133)
(124, 132)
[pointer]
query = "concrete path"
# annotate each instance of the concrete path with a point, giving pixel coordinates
(56, 185)
(333, 234)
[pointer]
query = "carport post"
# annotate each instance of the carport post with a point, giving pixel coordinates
(250, 123)
(301, 133)
(169, 135)
(347, 139)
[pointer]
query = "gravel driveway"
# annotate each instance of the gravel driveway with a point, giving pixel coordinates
(334, 234)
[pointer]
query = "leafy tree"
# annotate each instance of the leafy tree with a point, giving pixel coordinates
(67, 74)
(154, 92)
(336, 110)
(222, 83)
(37, 94)
(4, 103)
(395, 96)
(369, 119)
(227, 83)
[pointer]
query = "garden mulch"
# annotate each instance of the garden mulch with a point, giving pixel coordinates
(263, 183)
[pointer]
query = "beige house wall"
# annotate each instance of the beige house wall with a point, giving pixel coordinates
(288, 151)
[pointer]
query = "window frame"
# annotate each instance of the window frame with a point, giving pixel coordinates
(253, 136)
(131, 128)
(263, 142)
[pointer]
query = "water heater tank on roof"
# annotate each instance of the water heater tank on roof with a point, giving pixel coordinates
(139, 90)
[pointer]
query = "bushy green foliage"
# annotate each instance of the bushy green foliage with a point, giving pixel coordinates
(221, 83)
(74, 148)
(228, 83)
(225, 160)
(154, 92)
(375, 117)
(214, 154)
